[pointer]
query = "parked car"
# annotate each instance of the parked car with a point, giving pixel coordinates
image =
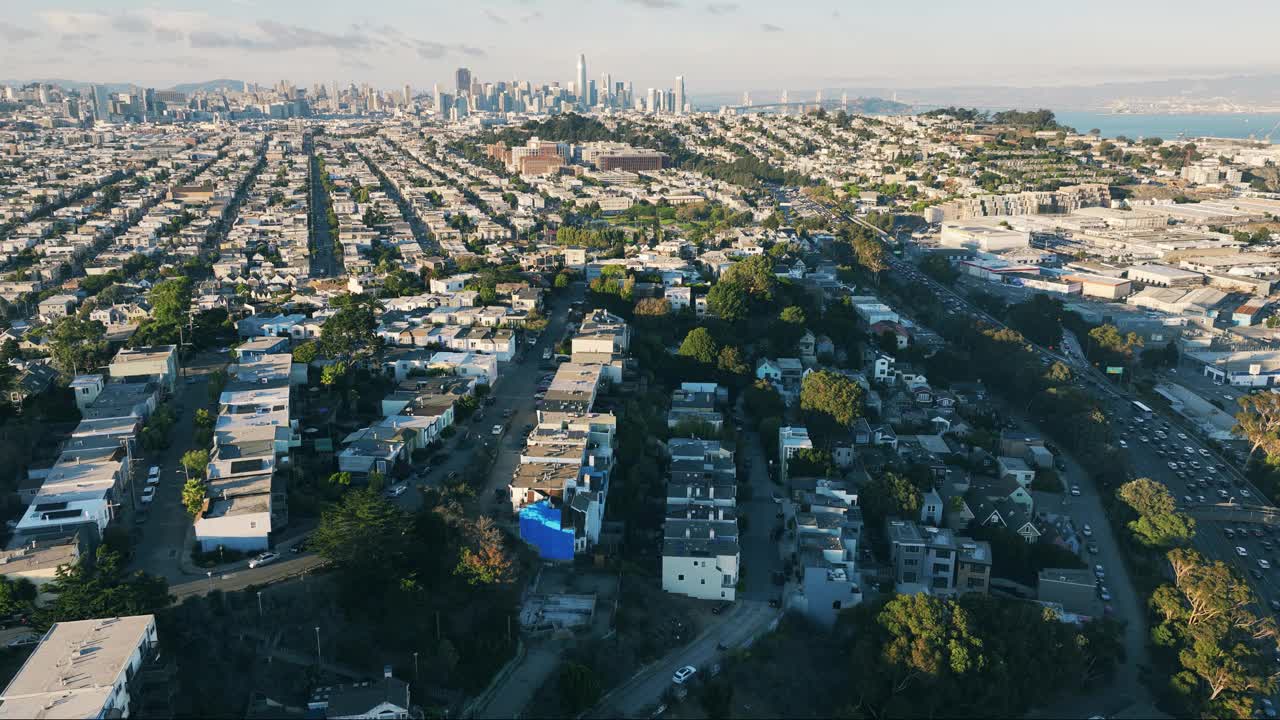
(1088, 531)
(263, 559)
(396, 491)
(1241, 551)
(683, 674)
(1075, 491)
(497, 430)
(148, 494)
(153, 475)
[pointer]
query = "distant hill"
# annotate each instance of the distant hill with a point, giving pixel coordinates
(209, 86)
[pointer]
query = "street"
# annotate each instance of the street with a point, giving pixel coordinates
(736, 628)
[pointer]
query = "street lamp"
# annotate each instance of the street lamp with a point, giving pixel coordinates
(319, 662)
(259, 603)
(415, 666)
(209, 574)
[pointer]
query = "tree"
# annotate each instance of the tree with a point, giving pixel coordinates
(830, 402)
(653, 307)
(193, 495)
(700, 346)
(484, 561)
(306, 353)
(9, 350)
(871, 255)
(351, 330)
(170, 301)
(1259, 422)
(890, 495)
(1039, 319)
(333, 373)
(99, 587)
(728, 301)
(203, 418)
(754, 275)
(340, 479)
(77, 344)
(762, 401)
(195, 462)
(364, 536)
(17, 595)
(730, 361)
(1158, 524)
(578, 687)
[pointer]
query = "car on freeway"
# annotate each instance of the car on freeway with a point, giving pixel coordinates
(1200, 499)
(1188, 500)
(1104, 594)
(1075, 491)
(1264, 563)
(263, 558)
(1172, 465)
(1124, 444)
(1244, 492)
(1099, 572)
(682, 675)
(1229, 533)
(1241, 551)
(148, 493)
(1088, 531)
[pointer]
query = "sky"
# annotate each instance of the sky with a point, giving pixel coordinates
(720, 46)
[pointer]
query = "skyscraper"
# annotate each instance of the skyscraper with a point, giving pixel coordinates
(408, 94)
(606, 90)
(679, 101)
(462, 80)
(581, 81)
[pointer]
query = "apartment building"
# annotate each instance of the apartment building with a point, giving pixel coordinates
(929, 559)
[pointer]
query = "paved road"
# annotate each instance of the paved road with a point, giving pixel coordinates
(761, 554)
(324, 261)
(739, 627)
(526, 678)
(241, 576)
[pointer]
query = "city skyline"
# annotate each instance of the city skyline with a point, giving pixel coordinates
(726, 46)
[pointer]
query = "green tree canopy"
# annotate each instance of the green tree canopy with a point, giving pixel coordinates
(700, 346)
(830, 402)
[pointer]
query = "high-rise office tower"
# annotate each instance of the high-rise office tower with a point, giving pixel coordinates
(651, 101)
(679, 101)
(592, 93)
(408, 94)
(581, 81)
(606, 90)
(435, 95)
(746, 98)
(462, 80)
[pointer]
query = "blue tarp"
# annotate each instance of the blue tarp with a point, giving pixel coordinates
(540, 527)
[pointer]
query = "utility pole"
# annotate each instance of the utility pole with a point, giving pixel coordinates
(319, 662)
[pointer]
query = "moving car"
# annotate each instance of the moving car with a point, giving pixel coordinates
(1075, 491)
(683, 674)
(1264, 564)
(263, 559)
(1088, 531)
(1241, 551)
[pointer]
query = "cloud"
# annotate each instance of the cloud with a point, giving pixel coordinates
(495, 17)
(281, 37)
(654, 4)
(722, 8)
(15, 33)
(770, 28)
(535, 15)
(73, 23)
(130, 23)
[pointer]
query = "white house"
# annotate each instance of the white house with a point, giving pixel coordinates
(82, 669)
(703, 568)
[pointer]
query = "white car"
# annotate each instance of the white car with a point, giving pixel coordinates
(1264, 564)
(1172, 465)
(148, 494)
(1241, 551)
(1075, 491)
(1104, 594)
(497, 430)
(263, 559)
(153, 475)
(1124, 444)
(1182, 436)
(1204, 453)
(397, 490)
(683, 674)
(1099, 572)
(1245, 493)
(1088, 531)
